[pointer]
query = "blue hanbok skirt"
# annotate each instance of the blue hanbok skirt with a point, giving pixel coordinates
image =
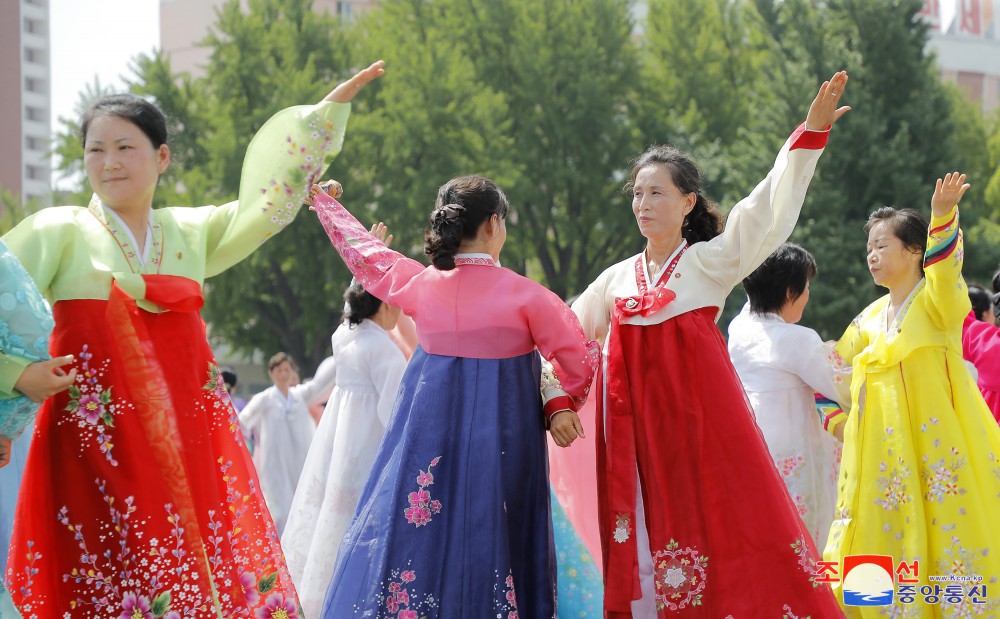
(454, 521)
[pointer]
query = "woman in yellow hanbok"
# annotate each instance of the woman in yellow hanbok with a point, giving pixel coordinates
(920, 475)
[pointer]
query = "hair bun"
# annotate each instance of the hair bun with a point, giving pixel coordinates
(446, 213)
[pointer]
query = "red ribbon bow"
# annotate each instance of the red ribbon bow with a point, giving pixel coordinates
(645, 304)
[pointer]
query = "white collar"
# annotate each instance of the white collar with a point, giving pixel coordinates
(131, 237)
(663, 268)
(478, 256)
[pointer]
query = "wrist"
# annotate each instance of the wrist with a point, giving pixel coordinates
(548, 420)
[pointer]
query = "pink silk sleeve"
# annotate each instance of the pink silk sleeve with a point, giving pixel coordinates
(383, 272)
(559, 337)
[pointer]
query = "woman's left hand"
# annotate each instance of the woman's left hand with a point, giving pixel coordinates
(565, 426)
(948, 192)
(346, 91)
(380, 231)
(824, 111)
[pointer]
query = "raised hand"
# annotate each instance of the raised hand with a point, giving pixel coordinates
(824, 111)
(346, 91)
(330, 187)
(44, 379)
(380, 231)
(948, 192)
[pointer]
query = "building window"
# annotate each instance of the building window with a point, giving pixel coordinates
(35, 143)
(344, 9)
(34, 26)
(33, 84)
(35, 113)
(36, 173)
(35, 56)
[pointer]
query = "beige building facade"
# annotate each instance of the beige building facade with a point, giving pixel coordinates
(185, 23)
(965, 37)
(25, 101)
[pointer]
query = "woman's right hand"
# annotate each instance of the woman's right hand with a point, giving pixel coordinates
(948, 193)
(44, 379)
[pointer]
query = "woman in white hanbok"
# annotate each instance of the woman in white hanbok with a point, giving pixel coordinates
(782, 365)
(369, 367)
(279, 429)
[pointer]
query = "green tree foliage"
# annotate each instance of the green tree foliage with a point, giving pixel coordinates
(553, 98)
(428, 120)
(898, 138)
(11, 210)
(568, 72)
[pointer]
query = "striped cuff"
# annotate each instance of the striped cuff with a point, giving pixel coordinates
(830, 412)
(944, 237)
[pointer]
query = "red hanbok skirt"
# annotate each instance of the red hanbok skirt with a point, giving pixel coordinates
(724, 535)
(139, 498)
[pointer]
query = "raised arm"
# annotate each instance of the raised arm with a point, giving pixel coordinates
(946, 290)
(384, 273)
(763, 220)
(287, 155)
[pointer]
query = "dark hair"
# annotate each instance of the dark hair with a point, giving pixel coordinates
(982, 301)
(361, 304)
(229, 378)
(996, 282)
(787, 270)
(280, 358)
(141, 113)
(908, 225)
(704, 222)
(462, 205)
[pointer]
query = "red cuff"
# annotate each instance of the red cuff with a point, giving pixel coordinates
(556, 404)
(805, 138)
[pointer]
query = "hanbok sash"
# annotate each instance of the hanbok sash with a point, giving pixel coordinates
(618, 472)
(150, 391)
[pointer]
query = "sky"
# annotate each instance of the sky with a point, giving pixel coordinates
(96, 38)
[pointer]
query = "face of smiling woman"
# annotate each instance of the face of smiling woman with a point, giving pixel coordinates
(122, 164)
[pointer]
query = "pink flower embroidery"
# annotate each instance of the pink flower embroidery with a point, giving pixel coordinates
(421, 504)
(91, 407)
(277, 607)
(417, 515)
(399, 600)
(420, 497)
(249, 583)
(135, 607)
